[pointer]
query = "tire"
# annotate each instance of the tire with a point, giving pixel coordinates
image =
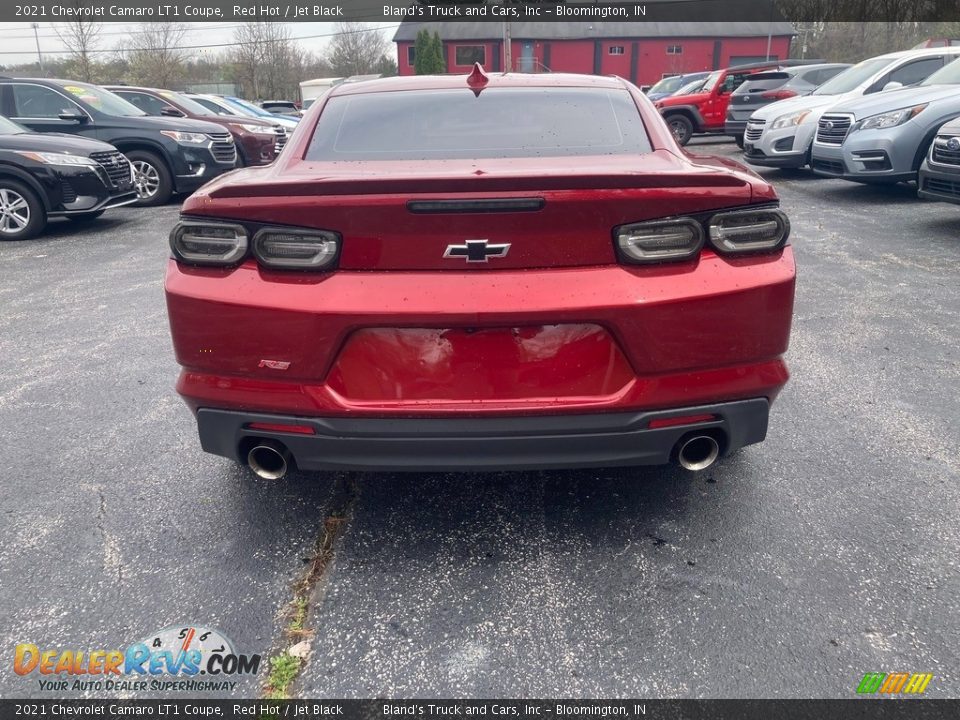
(739, 141)
(85, 217)
(22, 215)
(681, 128)
(152, 178)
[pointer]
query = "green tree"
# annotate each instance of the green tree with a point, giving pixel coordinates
(439, 60)
(428, 54)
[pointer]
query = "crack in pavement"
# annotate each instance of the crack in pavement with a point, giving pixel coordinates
(310, 587)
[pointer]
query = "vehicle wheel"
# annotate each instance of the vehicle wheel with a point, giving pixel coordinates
(86, 217)
(739, 141)
(22, 215)
(151, 178)
(681, 127)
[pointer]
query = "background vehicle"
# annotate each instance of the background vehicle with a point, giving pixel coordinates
(310, 90)
(767, 87)
(281, 107)
(258, 141)
(781, 134)
(168, 154)
(669, 85)
(45, 176)
(939, 177)
(563, 334)
(885, 137)
(705, 111)
(225, 106)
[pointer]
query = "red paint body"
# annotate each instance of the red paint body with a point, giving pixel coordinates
(558, 326)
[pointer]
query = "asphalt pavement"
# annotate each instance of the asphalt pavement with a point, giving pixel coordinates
(787, 570)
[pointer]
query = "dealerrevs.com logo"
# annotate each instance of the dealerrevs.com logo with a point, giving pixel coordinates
(177, 658)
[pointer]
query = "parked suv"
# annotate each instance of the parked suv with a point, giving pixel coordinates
(705, 111)
(766, 87)
(387, 296)
(258, 141)
(940, 173)
(168, 154)
(45, 176)
(885, 137)
(781, 134)
(235, 106)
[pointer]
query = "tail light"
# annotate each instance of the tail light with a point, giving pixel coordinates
(778, 94)
(660, 240)
(224, 244)
(745, 231)
(731, 232)
(290, 248)
(208, 243)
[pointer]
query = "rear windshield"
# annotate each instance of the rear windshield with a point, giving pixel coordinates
(768, 81)
(496, 123)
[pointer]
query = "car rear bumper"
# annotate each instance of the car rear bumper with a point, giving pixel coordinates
(734, 127)
(469, 344)
(502, 443)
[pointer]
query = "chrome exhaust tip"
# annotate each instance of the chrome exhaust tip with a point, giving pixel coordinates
(269, 460)
(697, 452)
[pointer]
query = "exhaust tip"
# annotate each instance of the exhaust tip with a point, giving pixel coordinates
(269, 460)
(698, 452)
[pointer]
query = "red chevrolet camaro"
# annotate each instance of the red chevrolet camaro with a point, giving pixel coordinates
(477, 272)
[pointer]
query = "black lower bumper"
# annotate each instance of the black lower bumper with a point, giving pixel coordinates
(758, 157)
(936, 184)
(503, 443)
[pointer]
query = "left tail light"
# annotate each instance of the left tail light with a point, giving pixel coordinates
(208, 243)
(225, 244)
(778, 94)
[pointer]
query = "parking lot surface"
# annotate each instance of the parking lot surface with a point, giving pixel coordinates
(787, 570)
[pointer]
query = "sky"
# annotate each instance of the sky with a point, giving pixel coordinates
(17, 43)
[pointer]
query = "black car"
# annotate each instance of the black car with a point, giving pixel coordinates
(45, 176)
(168, 154)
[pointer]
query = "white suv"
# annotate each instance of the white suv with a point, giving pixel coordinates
(781, 134)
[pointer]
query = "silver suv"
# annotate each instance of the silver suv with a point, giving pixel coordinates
(781, 134)
(885, 138)
(940, 173)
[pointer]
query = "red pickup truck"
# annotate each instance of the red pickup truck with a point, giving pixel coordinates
(705, 111)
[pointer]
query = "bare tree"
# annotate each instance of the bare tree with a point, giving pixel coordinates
(82, 38)
(357, 49)
(155, 55)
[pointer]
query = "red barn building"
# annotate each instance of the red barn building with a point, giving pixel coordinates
(643, 52)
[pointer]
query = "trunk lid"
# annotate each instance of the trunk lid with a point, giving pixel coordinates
(551, 212)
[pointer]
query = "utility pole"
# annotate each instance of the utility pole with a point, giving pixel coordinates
(37, 38)
(507, 48)
(770, 31)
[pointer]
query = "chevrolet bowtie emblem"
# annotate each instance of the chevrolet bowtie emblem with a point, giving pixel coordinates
(477, 251)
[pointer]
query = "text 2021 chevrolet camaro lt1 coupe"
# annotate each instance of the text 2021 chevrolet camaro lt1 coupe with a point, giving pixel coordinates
(481, 272)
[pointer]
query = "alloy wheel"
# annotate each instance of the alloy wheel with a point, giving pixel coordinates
(146, 179)
(14, 211)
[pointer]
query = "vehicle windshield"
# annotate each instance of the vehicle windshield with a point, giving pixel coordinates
(248, 108)
(103, 100)
(667, 85)
(691, 87)
(191, 106)
(9, 127)
(214, 107)
(711, 82)
(495, 123)
(949, 75)
(853, 77)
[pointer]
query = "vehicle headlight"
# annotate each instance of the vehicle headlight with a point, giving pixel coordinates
(200, 242)
(52, 158)
(890, 119)
(186, 138)
(257, 129)
(791, 120)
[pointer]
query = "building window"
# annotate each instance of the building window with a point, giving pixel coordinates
(615, 50)
(674, 49)
(470, 54)
(411, 55)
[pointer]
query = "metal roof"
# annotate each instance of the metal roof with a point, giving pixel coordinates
(407, 32)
